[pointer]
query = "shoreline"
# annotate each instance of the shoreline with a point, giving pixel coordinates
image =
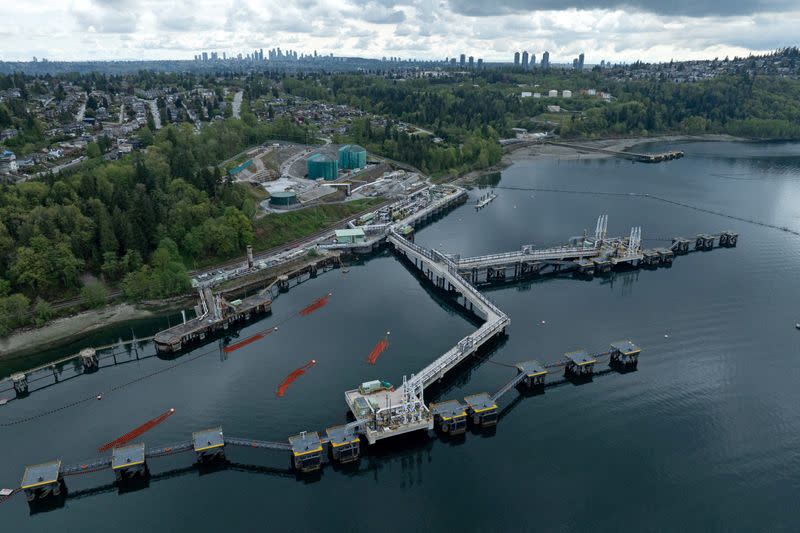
(72, 328)
(549, 152)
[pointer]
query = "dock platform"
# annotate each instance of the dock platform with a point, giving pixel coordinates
(579, 363)
(450, 416)
(344, 442)
(535, 373)
(482, 409)
(128, 462)
(42, 481)
(306, 451)
(209, 444)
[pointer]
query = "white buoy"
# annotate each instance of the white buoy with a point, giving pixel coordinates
(666, 336)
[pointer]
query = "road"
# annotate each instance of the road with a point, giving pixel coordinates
(236, 107)
(154, 112)
(79, 116)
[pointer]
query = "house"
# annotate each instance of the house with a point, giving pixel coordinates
(8, 162)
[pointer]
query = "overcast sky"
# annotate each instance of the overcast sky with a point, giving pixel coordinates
(620, 30)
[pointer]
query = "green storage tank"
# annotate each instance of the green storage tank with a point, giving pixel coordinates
(352, 156)
(283, 199)
(322, 166)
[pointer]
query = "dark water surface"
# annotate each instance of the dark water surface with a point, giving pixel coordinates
(704, 436)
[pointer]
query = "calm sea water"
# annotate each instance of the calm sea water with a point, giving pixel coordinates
(704, 436)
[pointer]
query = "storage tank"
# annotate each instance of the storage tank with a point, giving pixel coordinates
(352, 156)
(283, 199)
(322, 166)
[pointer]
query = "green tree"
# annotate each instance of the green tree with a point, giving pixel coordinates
(94, 294)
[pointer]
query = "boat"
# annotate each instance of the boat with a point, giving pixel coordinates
(797, 325)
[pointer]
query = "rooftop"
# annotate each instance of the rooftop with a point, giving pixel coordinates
(480, 402)
(532, 368)
(357, 232)
(448, 409)
(626, 347)
(305, 443)
(125, 456)
(41, 474)
(580, 358)
(207, 439)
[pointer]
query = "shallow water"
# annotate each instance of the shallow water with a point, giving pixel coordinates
(704, 436)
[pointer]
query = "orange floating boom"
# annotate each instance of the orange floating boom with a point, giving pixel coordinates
(296, 373)
(129, 436)
(316, 304)
(232, 347)
(377, 351)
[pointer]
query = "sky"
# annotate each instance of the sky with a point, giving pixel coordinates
(616, 30)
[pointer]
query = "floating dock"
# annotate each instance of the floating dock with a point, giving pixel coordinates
(485, 200)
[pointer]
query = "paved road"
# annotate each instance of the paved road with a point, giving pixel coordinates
(236, 108)
(154, 112)
(81, 110)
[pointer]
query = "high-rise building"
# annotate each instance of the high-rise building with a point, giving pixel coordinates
(533, 60)
(575, 64)
(525, 59)
(546, 60)
(580, 61)
(516, 58)
(205, 56)
(471, 61)
(462, 59)
(480, 63)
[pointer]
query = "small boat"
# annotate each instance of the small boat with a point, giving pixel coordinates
(99, 396)
(797, 325)
(3, 401)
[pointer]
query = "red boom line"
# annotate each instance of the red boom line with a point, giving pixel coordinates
(129, 436)
(296, 373)
(377, 351)
(319, 302)
(232, 347)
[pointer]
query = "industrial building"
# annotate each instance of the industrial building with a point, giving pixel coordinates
(566, 93)
(350, 236)
(352, 156)
(322, 166)
(283, 199)
(552, 93)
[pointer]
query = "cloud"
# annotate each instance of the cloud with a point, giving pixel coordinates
(697, 8)
(616, 30)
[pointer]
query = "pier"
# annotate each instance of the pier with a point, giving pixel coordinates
(381, 411)
(485, 200)
(214, 313)
(309, 451)
(642, 158)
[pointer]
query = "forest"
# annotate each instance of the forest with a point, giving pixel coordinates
(135, 223)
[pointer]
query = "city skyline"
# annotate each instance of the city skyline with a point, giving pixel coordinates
(409, 29)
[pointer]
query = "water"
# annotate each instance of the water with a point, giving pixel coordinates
(704, 436)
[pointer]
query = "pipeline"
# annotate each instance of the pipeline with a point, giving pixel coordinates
(296, 373)
(132, 434)
(378, 350)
